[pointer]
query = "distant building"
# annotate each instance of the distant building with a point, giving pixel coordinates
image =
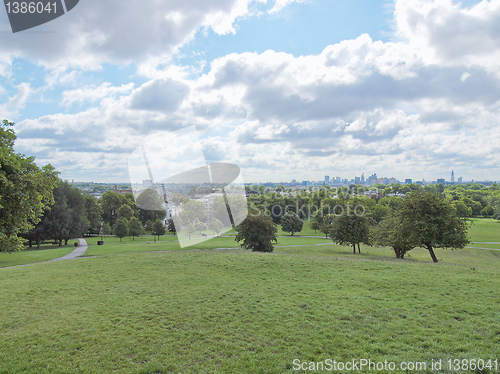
(147, 183)
(441, 180)
(306, 183)
(363, 178)
(408, 181)
(357, 180)
(122, 191)
(460, 179)
(327, 179)
(392, 181)
(452, 179)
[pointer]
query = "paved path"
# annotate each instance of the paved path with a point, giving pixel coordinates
(80, 250)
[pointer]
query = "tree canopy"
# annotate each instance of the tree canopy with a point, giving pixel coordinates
(290, 222)
(430, 221)
(25, 191)
(257, 233)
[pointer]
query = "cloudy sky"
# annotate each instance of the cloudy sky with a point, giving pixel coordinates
(286, 89)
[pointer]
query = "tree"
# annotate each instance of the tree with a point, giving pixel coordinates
(158, 229)
(315, 225)
(135, 227)
(290, 222)
(350, 229)
(171, 226)
(110, 203)
(106, 229)
(125, 211)
(389, 233)
(191, 230)
(431, 222)
(121, 228)
(192, 211)
(215, 225)
(93, 213)
(66, 218)
(257, 233)
(25, 191)
(200, 226)
(150, 206)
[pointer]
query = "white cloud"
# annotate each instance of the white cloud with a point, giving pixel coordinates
(93, 94)
(121, 32)
(16, 102)
(448, 34)
(420, 103)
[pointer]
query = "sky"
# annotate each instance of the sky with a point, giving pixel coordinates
(285, 89)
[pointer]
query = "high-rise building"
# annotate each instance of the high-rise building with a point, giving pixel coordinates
(441, 180)
(363, 178)
(327, 179)
(408, 181)
(452, 180)
(460, 179)
(392, 180)
(357, 180)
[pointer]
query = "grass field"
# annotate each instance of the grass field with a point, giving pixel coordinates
(32, 255)
(234, 311)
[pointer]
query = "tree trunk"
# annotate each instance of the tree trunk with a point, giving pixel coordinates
(354, 248)
(38, 244)
(431, 251)
(30, 244)
(359, 250)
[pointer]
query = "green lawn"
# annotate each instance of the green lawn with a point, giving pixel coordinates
(32, 255)
(201, 310)
(485, 230)
(236, 311)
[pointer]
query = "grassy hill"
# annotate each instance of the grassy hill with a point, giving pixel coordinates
(133, 310)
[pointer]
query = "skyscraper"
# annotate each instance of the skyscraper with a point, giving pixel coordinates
(452, 180)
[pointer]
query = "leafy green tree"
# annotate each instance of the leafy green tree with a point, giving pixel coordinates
(158, 229)
(215, 225)
(66, 218)
(150, 206)
(93, 214)
(191, 230)
(192, 211)
(315, 225)
(110, 203)
(106, 229)
(125, 211)
(177, 199)
(171, 226)
(390, 233)
(487, 211)
(257, 234)
(350, 229)
(431, 222)
(120, 230)
(25, 191)
(135, 227)
(290, 222)
(462, 209)
(200, 226)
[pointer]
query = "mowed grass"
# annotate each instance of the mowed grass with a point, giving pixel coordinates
(235, 311)
(32, 255)
(485, 230)
(171, 243)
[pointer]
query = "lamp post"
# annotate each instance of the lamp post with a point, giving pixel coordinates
(101, 242)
